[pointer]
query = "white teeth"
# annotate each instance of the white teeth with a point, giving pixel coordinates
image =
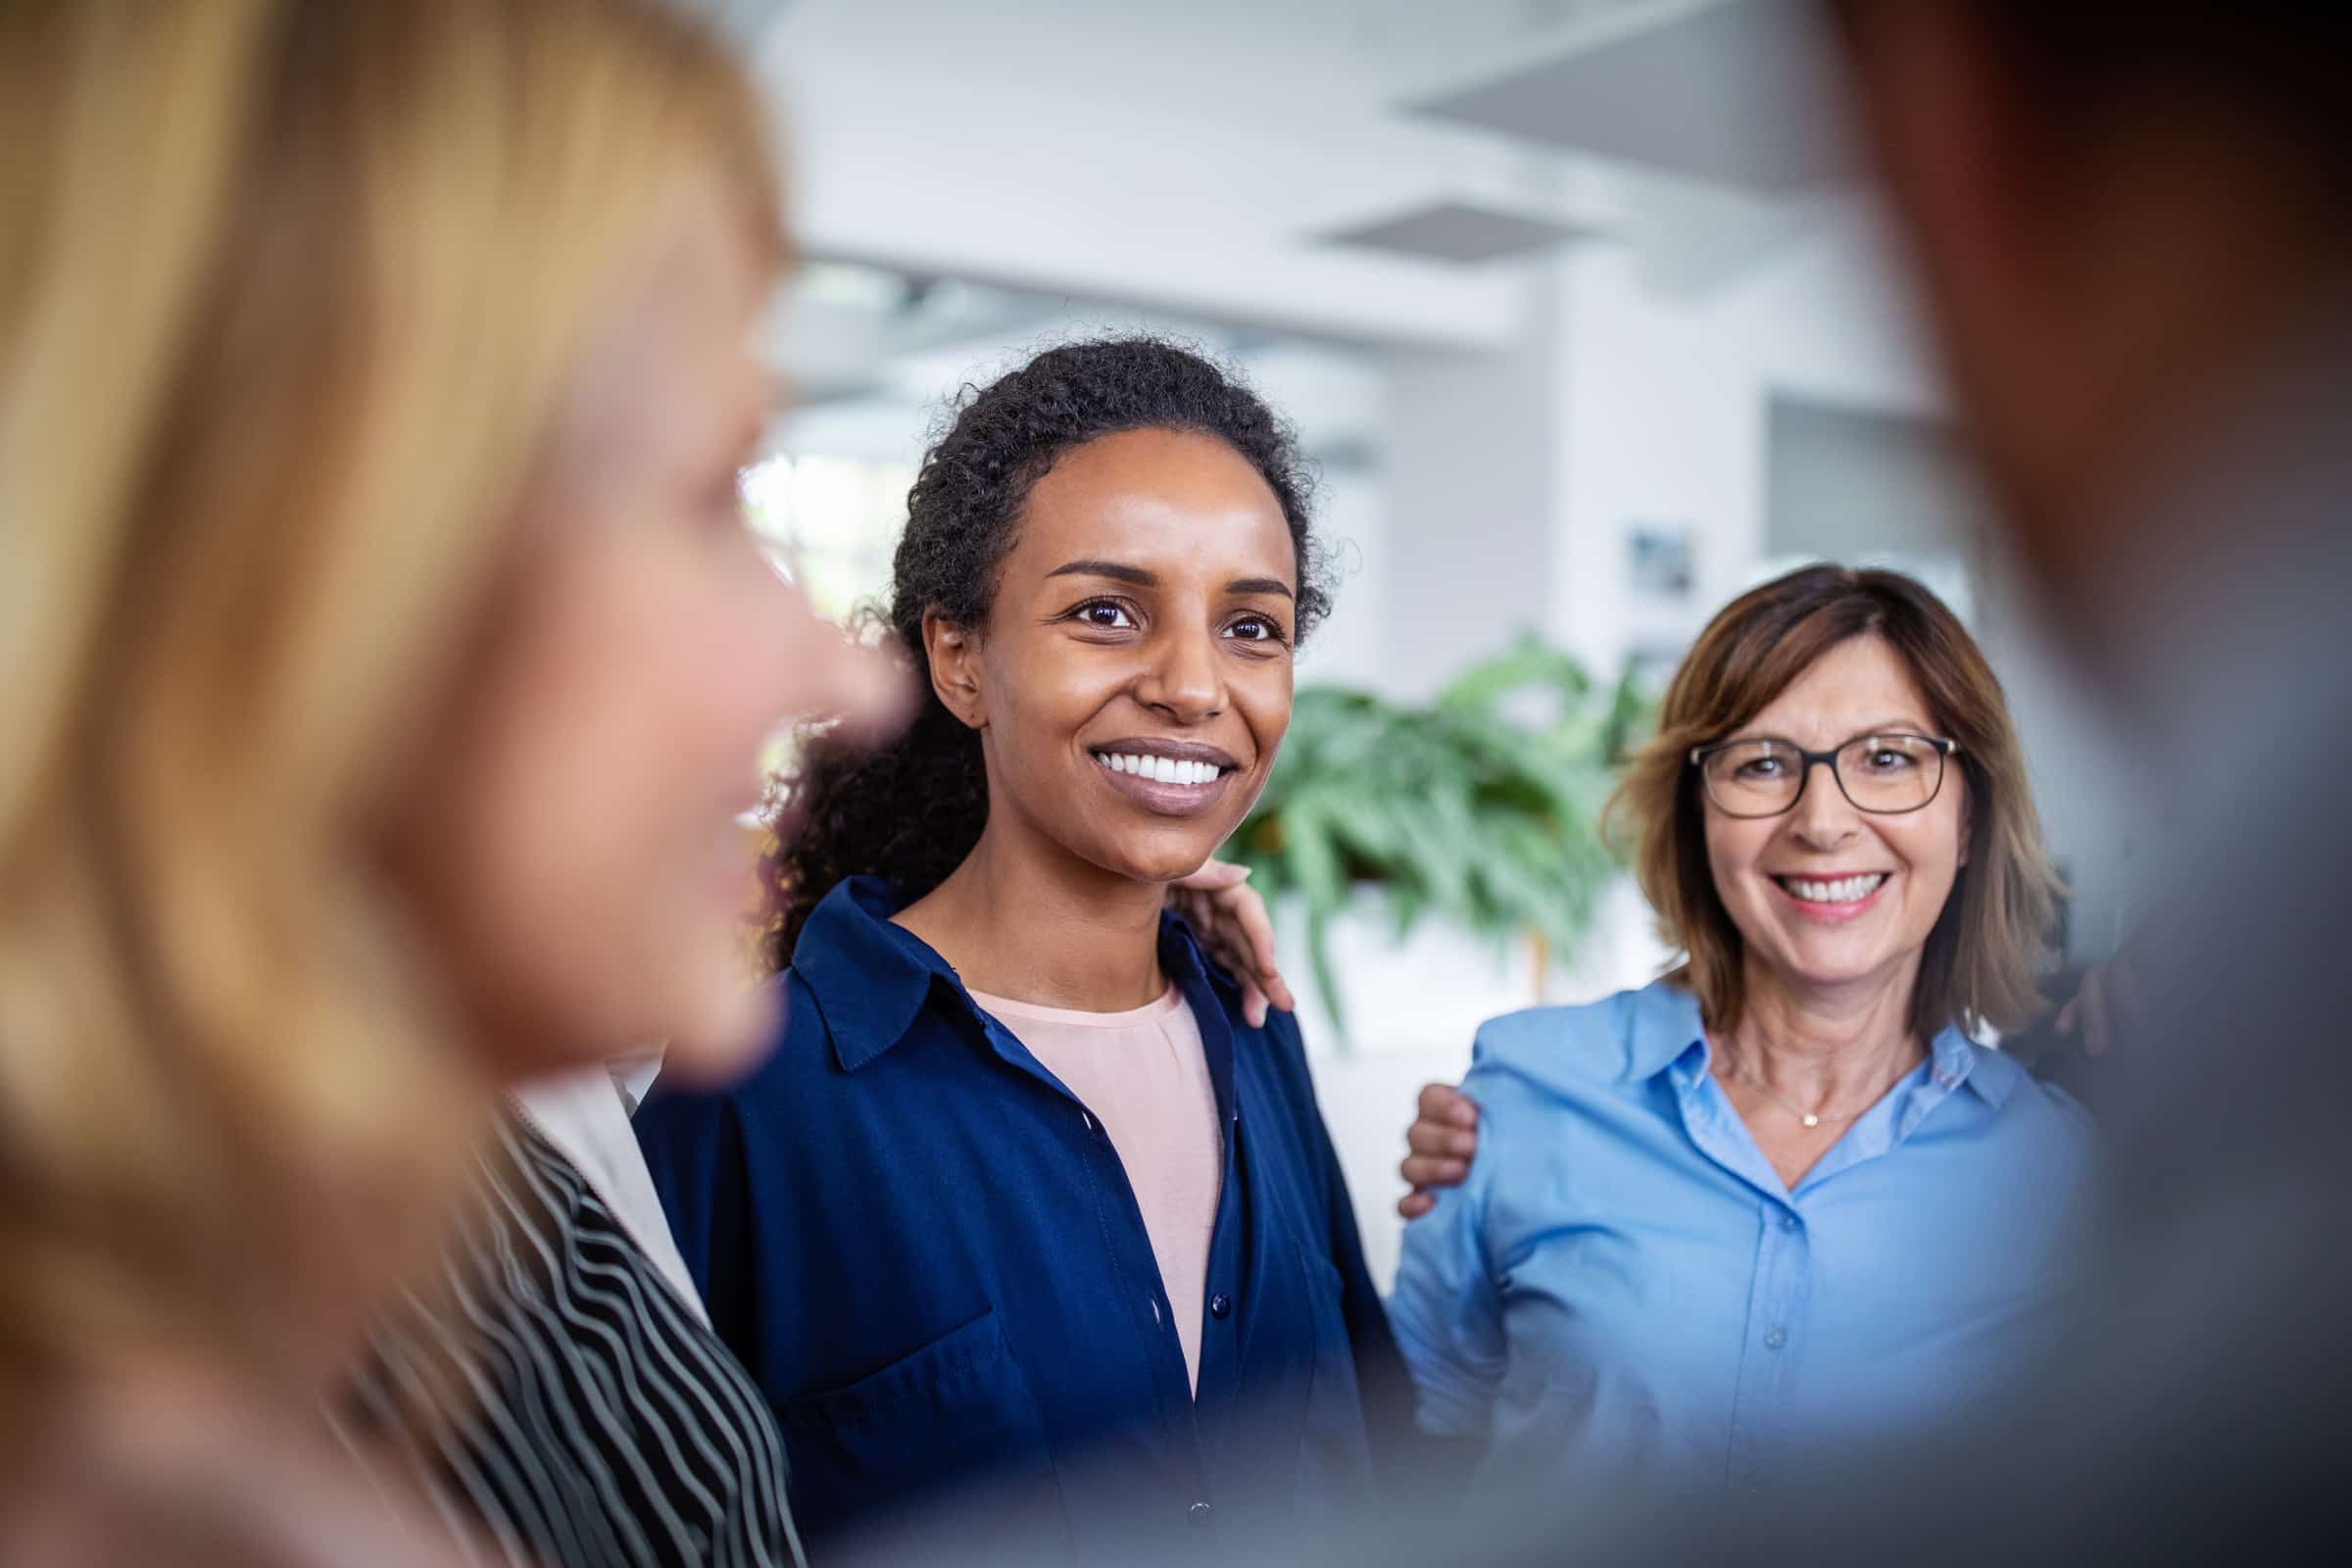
(1160, 769)
(1845, 890)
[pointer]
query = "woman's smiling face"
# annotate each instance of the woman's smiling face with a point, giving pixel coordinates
(1827, 893)
(1133, 682)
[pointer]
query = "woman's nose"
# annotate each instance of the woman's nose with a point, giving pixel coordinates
(1822, 818)
(1183, 680)
(873, 694)
(823, 671)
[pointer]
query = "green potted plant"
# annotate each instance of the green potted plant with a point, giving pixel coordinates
(1481, 805)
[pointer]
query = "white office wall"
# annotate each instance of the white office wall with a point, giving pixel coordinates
(1648, 400)
(1526, 415)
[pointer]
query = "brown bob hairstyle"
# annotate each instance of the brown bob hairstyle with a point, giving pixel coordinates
(1980, 960)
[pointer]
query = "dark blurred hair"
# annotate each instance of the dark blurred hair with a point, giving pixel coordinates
(912, 810)
(2280, 66)
(1985, 948)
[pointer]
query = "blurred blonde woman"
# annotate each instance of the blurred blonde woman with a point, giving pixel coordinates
(384, 666)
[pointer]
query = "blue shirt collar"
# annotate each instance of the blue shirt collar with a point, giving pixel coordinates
(1992, 1075)
(870, 978)
(1667, 1027)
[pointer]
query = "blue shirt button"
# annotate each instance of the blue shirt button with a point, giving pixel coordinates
(1220, 1307)
(1199, 1512)
(1775, 1338)
(1787, 1222)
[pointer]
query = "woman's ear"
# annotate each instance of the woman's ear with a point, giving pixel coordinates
(954, 653)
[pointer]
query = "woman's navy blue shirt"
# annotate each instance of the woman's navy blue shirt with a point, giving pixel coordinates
(926, 1252)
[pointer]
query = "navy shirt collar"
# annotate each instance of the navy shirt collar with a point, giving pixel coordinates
(870, 978)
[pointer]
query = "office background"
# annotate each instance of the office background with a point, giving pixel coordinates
(1574, 303)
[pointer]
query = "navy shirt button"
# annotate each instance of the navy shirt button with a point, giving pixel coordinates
(1220, 1305)
(1199, 1512)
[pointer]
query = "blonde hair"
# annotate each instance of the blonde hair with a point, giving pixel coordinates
(289, 294)
(1982, 955)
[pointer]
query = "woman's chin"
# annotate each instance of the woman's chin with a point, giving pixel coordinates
(1832, 967)
(1158, 869)
(731, 1030)
(1154, 857)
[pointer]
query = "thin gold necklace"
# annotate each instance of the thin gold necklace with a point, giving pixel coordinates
(1810, 1119)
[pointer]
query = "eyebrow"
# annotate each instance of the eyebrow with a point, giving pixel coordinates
(1140, 577)
(1116, 571)
(1896, 726)
(1259, 585)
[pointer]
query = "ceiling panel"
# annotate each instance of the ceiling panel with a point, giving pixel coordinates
(1732, 91)
(1460, 232)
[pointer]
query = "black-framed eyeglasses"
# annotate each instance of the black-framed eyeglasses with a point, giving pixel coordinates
(1884, 774)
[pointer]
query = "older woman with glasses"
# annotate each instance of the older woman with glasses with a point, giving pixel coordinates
(1778, 1200)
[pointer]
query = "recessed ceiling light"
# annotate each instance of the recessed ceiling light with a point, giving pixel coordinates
(1461, 233)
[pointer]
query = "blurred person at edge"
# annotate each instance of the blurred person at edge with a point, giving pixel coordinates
(1779, 1199)
(387, 667)
(2132, 233)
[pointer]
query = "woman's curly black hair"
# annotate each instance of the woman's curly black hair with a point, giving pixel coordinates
(910, 810)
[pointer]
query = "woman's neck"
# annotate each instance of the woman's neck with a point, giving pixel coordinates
(1822, 1047)
(1025, 920)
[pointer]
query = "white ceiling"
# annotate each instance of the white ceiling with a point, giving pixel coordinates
(1071, 164)
(1730, 91)
(1183, 156)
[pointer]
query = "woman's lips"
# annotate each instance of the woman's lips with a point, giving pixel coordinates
(1834, 899)
(1196, 787)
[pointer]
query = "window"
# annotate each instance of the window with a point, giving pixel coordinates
(833, 523)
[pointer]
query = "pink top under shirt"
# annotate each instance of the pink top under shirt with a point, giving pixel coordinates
(1143, 1076)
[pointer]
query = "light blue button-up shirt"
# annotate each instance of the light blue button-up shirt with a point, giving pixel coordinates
(1624, 1287)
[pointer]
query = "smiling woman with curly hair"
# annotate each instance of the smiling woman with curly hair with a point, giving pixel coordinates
(1088, 1255)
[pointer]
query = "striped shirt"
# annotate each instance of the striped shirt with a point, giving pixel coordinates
(602, 1422)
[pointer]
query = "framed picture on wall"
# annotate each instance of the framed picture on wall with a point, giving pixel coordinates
(1658, 564)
